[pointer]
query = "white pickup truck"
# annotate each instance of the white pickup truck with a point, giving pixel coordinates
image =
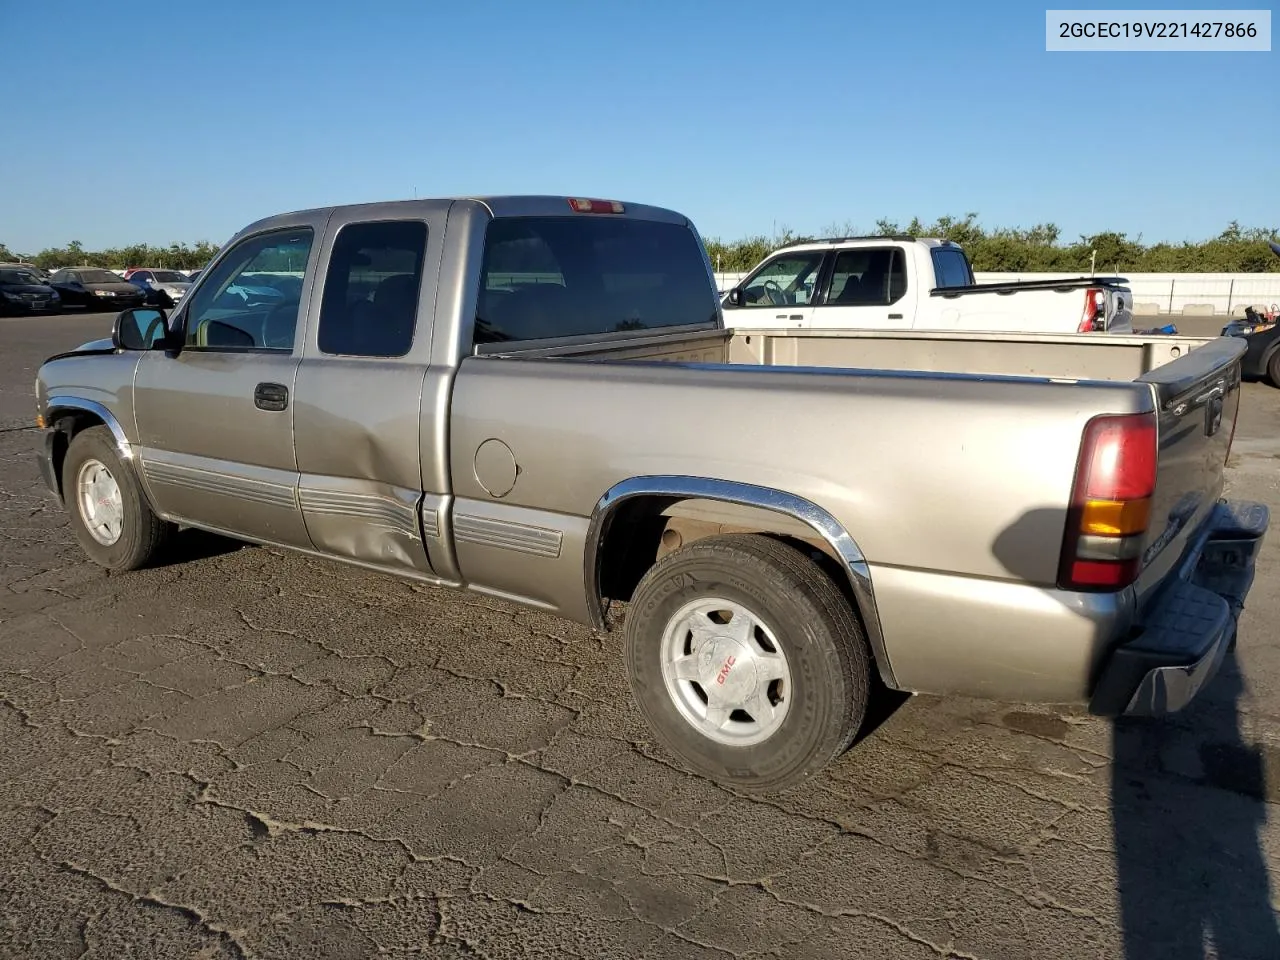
(910, 283)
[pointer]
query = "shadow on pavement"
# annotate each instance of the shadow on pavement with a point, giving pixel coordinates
(190, 545)
(1188, 801)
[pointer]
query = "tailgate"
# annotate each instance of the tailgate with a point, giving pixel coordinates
(1197, 398)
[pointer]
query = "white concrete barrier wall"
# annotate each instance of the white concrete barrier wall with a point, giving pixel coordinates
(1216, 293)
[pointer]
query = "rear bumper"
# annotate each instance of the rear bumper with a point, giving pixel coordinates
(1189, 628)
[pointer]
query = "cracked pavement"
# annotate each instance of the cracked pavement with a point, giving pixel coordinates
(249, 753)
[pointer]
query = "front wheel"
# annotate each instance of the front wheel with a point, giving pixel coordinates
(111, 517)
(747, 661)
(1273, 368)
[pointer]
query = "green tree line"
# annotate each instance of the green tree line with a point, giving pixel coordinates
(1041, 248)
(176, 256)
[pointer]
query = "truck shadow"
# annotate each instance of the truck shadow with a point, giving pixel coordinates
(1188, 802)
(1189, 799)
(190, 545)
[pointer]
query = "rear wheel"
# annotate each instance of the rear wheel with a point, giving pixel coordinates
(747, 661)
(110, 515)
(1273, 368)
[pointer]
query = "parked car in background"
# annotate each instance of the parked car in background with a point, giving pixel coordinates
(194, 275)
(41, 275)
(1261, 331)
(21, 291)
(96, 289)
(164, 288)
(910, 283)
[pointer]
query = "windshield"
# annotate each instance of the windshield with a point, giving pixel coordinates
(168, 276)
(569, 276)
(98, 276)
(18, 276)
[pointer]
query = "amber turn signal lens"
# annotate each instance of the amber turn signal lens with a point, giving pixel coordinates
(1115, 518)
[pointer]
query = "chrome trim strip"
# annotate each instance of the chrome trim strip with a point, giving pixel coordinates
(507, 535)
(207, 481)
(123, 446)
(701, 488)
(377, 510)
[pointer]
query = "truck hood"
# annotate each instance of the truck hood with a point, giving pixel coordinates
(85, 349)
(93, 346)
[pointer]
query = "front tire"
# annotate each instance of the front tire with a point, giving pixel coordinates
(747, 661)
(111, 517)
(1273, 368)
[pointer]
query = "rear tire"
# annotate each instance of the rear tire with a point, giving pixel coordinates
(109, 512)
(1273, 368)
(761, 706)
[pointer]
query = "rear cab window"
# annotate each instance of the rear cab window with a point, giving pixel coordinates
(951, 268)
(546, 277)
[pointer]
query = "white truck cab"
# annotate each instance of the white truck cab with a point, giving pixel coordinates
(914, 283)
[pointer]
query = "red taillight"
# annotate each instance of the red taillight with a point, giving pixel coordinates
(581, 205)
(1094, 316)
(1110, 503)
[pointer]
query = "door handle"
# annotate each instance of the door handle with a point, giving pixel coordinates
(271, 396)
(895, 316)
(794, 316)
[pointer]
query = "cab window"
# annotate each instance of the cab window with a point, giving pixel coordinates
(868, 277)
(784, 281)
(371, 291)
(246, 303)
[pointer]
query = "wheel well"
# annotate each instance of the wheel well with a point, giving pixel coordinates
(66, 424)
(647, 528)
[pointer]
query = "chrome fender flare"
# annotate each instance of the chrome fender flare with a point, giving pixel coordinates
(58, 402)
(731, 491)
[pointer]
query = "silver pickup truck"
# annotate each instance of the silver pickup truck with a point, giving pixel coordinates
(535, 398)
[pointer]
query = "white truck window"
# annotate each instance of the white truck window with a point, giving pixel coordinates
(787, 280)
(868, 276)
(951, 268)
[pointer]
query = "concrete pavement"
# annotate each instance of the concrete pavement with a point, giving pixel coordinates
(248, 753)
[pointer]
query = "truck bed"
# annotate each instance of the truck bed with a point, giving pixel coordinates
(1056, 356)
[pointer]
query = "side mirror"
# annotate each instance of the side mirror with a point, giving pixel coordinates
(139, 329)
(735, 297)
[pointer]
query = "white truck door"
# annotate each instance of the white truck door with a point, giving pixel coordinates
(778, 294)
(869, 289)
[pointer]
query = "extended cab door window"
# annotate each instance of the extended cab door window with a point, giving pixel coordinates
(371, 289)
(868, 286)
(250, 300)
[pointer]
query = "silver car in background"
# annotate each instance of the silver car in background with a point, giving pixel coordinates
(165, 288)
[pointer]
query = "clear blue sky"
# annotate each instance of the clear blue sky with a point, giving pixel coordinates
(184, 121)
